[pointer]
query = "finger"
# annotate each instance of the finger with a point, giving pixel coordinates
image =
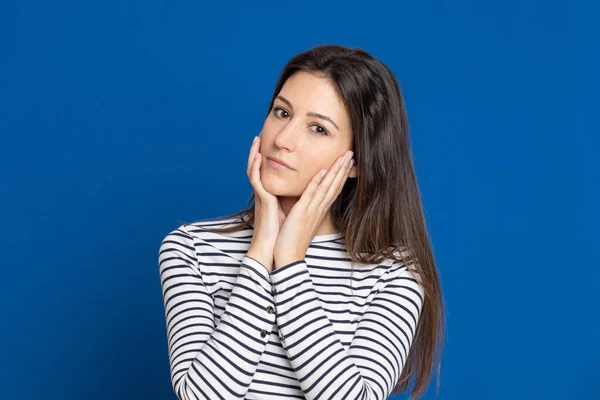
(261, 192)
(311, 188)
(338, 183)
(250, 158)
(255, 175)
(324, 186)
(253, 151)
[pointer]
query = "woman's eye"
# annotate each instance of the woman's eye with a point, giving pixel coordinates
(279, 109)
(321, 132)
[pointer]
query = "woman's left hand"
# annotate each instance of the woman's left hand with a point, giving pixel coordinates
(303, 220)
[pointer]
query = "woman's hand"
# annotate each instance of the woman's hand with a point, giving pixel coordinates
(268, 214)
(303, 220)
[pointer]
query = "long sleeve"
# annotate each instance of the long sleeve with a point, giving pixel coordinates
(375, 358)
(208, 361)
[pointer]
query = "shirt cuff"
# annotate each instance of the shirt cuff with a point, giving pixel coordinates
(259, 271)
(288, 271)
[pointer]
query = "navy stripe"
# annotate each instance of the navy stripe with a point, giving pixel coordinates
(333, 332)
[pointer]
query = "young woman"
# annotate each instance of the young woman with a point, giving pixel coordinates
(326, 286)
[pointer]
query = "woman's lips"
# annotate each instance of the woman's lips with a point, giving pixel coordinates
(277, 165)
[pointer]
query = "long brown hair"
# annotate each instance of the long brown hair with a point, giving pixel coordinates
(380, 212)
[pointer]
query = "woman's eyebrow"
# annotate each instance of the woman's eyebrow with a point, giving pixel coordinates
(310, 113)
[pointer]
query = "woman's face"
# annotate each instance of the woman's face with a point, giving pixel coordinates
(306, 142)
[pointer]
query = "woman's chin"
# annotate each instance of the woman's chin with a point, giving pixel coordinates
(274, 187)
(278, 187)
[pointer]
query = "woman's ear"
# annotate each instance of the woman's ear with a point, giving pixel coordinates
(353, 172)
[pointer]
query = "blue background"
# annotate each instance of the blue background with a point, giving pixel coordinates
(119, 119)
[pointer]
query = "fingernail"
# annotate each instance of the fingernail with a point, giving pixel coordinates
(254, 141)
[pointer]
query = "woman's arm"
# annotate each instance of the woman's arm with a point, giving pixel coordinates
(373, 363)
(208, 361)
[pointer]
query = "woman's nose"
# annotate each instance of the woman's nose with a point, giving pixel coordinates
(285, 137)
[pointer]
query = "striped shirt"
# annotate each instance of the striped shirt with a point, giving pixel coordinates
(310, 329)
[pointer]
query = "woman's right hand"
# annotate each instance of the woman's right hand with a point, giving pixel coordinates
(268, 214)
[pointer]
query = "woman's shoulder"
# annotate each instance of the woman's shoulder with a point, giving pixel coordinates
(405, 266)
(209, 229)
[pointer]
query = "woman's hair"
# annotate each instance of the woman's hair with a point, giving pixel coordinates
(379, 212)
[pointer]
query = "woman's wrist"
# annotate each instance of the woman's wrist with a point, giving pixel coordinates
(259, 254)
